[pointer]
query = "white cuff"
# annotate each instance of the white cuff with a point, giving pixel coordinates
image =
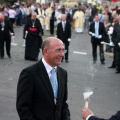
(119, 44)
(69, 39)
(87, 118)
(11, 34)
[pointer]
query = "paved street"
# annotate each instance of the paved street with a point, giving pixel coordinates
(83, 75)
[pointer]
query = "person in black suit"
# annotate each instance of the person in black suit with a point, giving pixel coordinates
(52, 18)
(37, 97)
(116, 41)
(97, 32)
(6, 30)
(64, 34)
(87, 114)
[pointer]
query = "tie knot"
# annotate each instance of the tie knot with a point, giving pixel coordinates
(53, 71)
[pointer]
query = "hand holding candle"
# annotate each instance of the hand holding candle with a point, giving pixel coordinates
(86, 96)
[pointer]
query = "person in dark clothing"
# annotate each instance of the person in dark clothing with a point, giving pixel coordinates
(52, 18)
(6, 30)
(97, 32)
(64, 34)
(87, 114)
(33, 38)
(42, 89)
(116, 41)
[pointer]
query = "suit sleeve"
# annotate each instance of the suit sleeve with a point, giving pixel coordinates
(65, 110)
(113, 117)
(57, 31)
(114, 35)
(25, 96)
(69, 31)
(25, 28)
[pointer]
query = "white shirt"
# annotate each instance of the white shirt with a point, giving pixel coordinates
(12, 13)
(48, 67)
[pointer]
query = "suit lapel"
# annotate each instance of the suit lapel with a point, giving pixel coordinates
(61, 26)
(45, 78)
(59, 78)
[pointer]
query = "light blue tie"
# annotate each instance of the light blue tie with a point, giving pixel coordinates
(53, 80)
(64, 26)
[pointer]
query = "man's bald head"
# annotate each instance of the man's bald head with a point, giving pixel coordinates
(48, 41)
(53, 51)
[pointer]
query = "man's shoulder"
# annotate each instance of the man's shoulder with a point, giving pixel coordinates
(61, 69)
(34, 67)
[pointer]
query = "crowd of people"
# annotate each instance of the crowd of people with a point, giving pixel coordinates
(48, 16)
(42, 88)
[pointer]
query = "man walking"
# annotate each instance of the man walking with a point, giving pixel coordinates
(6, 30)
(97, 31)
(64, 34)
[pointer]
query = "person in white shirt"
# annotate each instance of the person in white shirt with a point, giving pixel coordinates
(12, 15)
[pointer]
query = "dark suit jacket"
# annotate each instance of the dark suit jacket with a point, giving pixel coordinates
(116, 35)
(114, 117)
(64, 35)
(5, 35)
(101, 30)
(35, 99)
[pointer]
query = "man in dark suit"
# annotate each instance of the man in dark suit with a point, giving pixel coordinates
(6, 30)
(116, 41)
(40, 96)
(52, 18)
(97, 32)
(64, 34)
(88, 115)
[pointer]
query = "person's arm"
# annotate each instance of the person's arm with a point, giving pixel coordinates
(25, 96)
(87, 114)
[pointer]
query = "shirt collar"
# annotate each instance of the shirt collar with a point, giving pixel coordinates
(96, 22)
(47, 66)
(63, 21)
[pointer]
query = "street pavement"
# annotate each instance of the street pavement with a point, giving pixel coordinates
(83, 76)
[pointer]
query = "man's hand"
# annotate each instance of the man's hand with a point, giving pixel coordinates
(100, 36)
(86, 112)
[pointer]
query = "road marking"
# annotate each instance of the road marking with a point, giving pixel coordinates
(77, 52)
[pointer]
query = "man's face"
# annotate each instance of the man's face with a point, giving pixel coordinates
(33, 17)
(54, 53)
(63, 17)
(97, 18)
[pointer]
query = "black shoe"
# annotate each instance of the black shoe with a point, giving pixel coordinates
(113, 66)
(102, 62)
(1, 57)
(94, 61)
(9, 56)
(117, 72)
(67, 61)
